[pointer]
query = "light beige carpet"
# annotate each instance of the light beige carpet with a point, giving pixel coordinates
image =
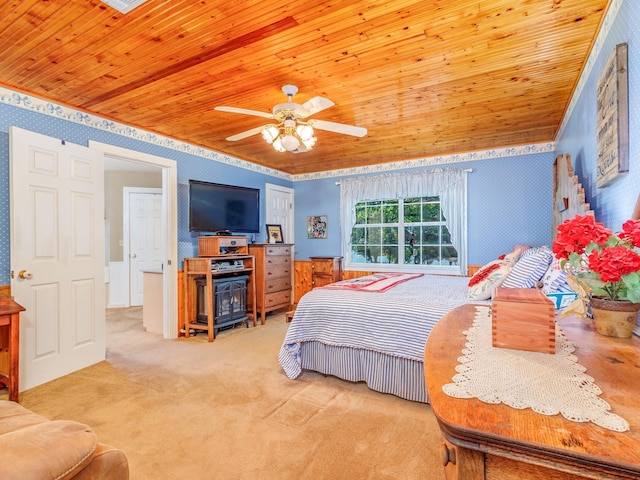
(189, 409)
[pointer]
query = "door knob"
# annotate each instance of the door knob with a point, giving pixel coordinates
(133, 255)
(24, 274)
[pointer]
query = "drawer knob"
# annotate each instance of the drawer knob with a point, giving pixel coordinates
(448, 455)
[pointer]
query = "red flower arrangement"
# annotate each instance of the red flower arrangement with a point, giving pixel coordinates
(607, 264)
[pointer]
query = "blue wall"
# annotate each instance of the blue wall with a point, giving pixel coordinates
(509, 200)
(612, 204)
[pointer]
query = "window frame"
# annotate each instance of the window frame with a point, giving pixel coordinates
(401, 245)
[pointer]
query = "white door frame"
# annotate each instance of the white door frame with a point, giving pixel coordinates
(170, 235)
(269, 188)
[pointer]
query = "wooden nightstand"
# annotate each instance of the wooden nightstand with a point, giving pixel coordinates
(325, 270)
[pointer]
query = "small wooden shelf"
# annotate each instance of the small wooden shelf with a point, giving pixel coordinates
(200, 267)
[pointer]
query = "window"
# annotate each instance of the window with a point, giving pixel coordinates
(407, 232)
(422, 226)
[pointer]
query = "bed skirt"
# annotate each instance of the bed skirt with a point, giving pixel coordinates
(397, 376)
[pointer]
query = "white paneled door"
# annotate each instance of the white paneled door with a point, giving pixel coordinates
(57, 255)
(145, 237)
(279, 201)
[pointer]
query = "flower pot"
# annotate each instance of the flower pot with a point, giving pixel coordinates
(614, 318)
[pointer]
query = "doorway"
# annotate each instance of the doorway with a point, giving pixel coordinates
(169, 237)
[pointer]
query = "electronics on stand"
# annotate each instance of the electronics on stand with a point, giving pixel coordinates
(227, 265)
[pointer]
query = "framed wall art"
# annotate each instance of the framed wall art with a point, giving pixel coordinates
(613, 119)
(317, 226)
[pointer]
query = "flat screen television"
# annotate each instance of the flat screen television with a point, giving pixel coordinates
(214, 208)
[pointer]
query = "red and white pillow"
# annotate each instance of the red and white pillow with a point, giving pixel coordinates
(484, 282)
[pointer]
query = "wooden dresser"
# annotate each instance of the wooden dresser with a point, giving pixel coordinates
(486, 441)
(325, 270)
(273, 276)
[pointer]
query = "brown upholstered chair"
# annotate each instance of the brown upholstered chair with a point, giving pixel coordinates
(33, 447)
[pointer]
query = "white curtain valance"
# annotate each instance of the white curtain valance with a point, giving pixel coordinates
(450, 185)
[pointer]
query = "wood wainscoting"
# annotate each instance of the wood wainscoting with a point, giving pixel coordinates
(5, 290)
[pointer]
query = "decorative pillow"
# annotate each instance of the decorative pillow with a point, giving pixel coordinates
(530, 268)
(487, 279)
(515, 254)
(555, 279)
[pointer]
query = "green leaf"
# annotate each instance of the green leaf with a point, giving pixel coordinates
(632, 284)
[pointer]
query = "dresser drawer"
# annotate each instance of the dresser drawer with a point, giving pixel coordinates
(277, 299)
(275, 250)
(279, 271)
(278, 284)
(274, 262)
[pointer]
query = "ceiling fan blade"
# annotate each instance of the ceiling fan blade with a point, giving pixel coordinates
(248, 133)
(244, 111)
(338, 128)
(315, 105)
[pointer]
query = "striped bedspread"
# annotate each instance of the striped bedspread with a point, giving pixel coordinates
(395, 323)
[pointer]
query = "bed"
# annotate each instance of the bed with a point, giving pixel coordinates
(370, 336)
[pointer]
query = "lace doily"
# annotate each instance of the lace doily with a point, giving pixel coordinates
(548, 384)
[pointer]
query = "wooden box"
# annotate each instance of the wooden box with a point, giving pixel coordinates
(523, 319)
(216, 245)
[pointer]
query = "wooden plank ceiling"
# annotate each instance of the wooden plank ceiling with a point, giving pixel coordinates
(424, 77)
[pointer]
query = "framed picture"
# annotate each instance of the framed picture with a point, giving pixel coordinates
(274, 234)
(317, 226)
(613, 119)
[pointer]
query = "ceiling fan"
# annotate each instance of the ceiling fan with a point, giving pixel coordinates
(293, 131)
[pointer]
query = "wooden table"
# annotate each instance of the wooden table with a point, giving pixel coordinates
(485, 441)
(10, 344)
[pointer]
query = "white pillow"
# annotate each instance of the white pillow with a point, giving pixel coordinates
(530, 268)
(487, 279)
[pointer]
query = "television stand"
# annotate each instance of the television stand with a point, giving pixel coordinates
(204, 270)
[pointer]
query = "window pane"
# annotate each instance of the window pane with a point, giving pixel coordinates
(390, 213)
(449, 256)
(446, 236)
(431, 235)
(411, 235)
(412, 213)
(374, 235)
(361, 213)
(357, 236)
(431, 212)
(411, 256)
(389, 255)
(374, 254)
(390, 235)
(430, 255)
(357, 254)
(374, 214)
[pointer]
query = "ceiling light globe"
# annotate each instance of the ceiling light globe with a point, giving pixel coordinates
(305, 132)
(309, 143)
(277, 144)
(290, 142)
(269, 134)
